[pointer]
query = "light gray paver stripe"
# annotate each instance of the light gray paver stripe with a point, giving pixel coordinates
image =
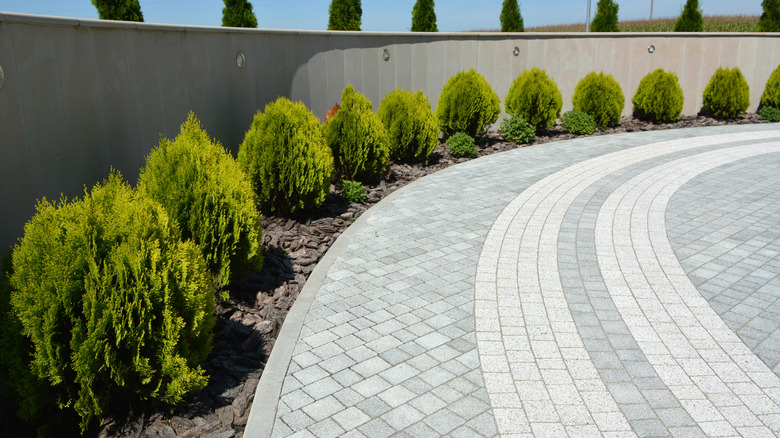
(521, 315)
(717, 379)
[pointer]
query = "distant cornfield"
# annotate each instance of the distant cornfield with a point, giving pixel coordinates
(712, 23)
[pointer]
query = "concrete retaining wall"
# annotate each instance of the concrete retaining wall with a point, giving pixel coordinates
(82, 96)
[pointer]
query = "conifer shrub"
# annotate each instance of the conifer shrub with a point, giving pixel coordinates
(511, 20)
(770, 114)
(353, 191)
(424, 17)
(515, 129)
(204, 190)
(599, 96)
(411, 125)
(345, 15)
(578, 123)
(332, 112)
(467, 104)
(462, 145)
(286, 157)
(535, 96)
(771, 95)
(122, 10)
(770, 18)
(690, 19)
(727, 94)
(112, 312)
(238, 13)
(357, 139)
(606, 19)
(659, 97)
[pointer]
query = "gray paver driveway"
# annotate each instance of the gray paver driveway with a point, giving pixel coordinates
(607, 286)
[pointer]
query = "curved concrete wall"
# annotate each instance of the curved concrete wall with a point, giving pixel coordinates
(82, 96)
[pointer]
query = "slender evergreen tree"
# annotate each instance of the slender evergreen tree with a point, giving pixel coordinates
(238, 13)
(770, 19)
(511, 20)
(424, 17)
(690, 19)
(606, 19)
(122, 10)
(345, 15)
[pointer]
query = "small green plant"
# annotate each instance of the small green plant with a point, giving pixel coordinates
(690, 19)
(600, 96)
(536, 97)
(353, 191)
(467, 104)
(727, 95)
(770, 18)
(110, 312)
(286, 157)
(515, 129)
(357, 139)
(771, 95)
(344, 15)
(424, 17)
(204, 190)
(769, 113)
(659, 97)
(511, 20)
(462, 145)
(578, 122)
(606, 19)
(412, 128)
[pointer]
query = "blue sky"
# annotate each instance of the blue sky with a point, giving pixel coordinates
(381, 15)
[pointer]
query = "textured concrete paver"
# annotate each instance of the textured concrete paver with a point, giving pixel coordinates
(536, 293)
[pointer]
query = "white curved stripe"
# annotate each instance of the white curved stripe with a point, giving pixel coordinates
(539, 377)
(724, 387)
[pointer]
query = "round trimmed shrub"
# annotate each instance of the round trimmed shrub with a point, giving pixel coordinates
(536, 97)
(771, 95)
(467, 104)
(410, 124)
(727, 94)
(204, 190)
(578, 122)
(462, 145)
(286, 158)
(599, 96)
(770, 114)
(659, 97)
(515, 129)
(113, 311)
(357, 139)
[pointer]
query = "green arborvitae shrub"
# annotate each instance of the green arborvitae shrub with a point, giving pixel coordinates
(424, 17)
(606, 19)
(727, 94)
(357, 139)
(121, 10)
(286, 157)
(467, 104)
(462, 145)
(770, 18)
(578, 122)
(114, 311)
(515, 129)
(344, 15)
(600, 96)
(511, 20)
(771, 95)
(658, 98)
(238, 13)
(536, 97)
(770, 114)
(690, 19)
(411, 126)
(353, 191)
(204, 190)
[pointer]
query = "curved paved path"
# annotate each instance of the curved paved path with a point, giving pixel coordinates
(607, 286)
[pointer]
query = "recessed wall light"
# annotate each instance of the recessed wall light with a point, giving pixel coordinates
(516, 51)
(650, 48)
(240, 60)
(385, 55)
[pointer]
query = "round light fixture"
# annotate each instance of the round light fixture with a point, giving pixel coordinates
(240, 60)
(516, 51)
(650, 48)
(385, 55)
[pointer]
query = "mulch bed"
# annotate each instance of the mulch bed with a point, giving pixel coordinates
(249, 322)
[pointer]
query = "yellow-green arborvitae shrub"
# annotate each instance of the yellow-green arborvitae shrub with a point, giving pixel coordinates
(467, 104)
(109, 312)
(203, 188)
(771, 95)
(659, 97)
(286, 157)
(599, 95)
(535, 96)
(727, 94)
(410, 124)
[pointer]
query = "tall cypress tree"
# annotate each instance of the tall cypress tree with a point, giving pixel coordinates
(122, 10)
(690, 19)
(606, 19)
(238, 13)
(345, 15)
(770, 19)
(424, 17)
(511, 20)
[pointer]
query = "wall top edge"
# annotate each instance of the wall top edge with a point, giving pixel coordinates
(18, 18)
